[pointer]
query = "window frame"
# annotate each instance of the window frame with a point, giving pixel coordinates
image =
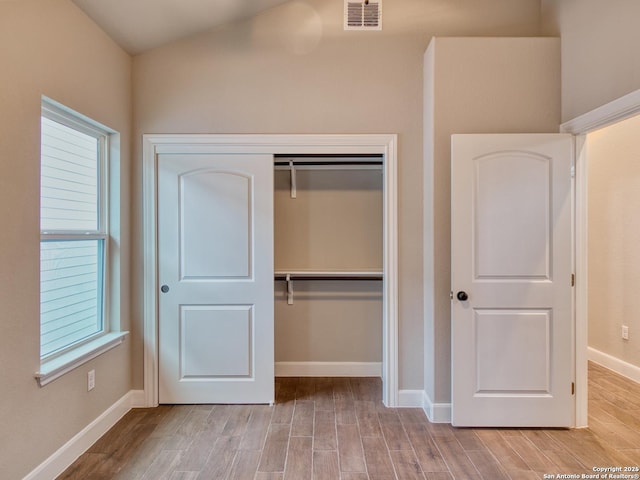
(62, 360)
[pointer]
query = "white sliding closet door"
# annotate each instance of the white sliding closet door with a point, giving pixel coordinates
(215, 272)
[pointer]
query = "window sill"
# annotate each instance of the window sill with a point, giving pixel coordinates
(52, 369)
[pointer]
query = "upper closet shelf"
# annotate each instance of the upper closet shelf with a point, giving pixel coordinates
(322, 162)
(328, 275)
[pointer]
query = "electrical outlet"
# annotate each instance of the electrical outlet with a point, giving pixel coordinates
(625, 332)
(91, 380)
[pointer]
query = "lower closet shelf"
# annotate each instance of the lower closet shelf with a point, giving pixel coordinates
(328, 275)
(290, 276)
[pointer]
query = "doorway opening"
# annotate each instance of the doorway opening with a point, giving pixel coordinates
(613, 193)
(603, 214)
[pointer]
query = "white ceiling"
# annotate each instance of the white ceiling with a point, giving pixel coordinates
(140, 25)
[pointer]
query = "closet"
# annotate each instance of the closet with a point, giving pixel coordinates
(328, 264)
(268, 255)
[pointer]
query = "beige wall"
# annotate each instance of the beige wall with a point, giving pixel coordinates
(600, 60)
(48, 47)
(475, 85)
(294, 70)
(613, 229)
(334, 223)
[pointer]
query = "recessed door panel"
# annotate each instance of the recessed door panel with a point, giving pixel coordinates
(512, 218)
(216, 211)
(512, 351)
(215, 341)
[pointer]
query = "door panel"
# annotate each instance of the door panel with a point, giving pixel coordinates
(217, 206)
(522, 336)
(511, 254)
(504, 182)
(215, 263)
(204, 353)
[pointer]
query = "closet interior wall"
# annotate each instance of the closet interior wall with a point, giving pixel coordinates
(332, 221)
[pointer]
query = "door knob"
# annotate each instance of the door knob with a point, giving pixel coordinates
(462, 296)
(164, 288)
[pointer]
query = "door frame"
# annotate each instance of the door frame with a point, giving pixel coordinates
(603, 116)
(273, 144)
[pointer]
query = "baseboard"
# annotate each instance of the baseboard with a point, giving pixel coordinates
(70, 451)
(436, 412)
(138, 399)
(613, 363)
(410, 398)
(328, 369)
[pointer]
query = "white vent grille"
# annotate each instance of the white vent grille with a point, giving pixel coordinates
(365, 15)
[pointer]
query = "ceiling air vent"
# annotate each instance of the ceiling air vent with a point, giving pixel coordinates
(365, 15)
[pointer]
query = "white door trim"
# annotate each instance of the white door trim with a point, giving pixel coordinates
(385, 144)
(603, 116)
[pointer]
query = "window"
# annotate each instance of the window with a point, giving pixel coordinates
(73, 231)
(74, 241)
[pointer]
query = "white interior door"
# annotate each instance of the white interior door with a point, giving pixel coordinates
(215, 272)
(512, 344)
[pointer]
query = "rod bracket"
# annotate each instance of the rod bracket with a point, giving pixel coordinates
(289, 289)
(294, 188)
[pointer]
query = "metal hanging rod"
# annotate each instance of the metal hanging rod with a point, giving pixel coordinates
(329, 155)
(326, 160)
(329, 275)
(309, 163)
(289, 277)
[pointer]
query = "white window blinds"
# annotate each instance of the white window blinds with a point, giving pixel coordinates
(73, 235)
(69, 179)
(70, 293)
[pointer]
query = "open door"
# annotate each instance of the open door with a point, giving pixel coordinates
(511, 280)
(215, 275)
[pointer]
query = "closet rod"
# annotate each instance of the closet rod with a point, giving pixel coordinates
(290, 277)
(328, 163)
(329, 276)
(335, 156)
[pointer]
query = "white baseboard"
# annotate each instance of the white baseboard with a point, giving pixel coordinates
(328, 369)
(138, 399)
(410, 398)
(80, 443)
(436, 412)
(613, 363)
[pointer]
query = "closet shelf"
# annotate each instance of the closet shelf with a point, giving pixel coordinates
(329, 275)
(313, 162)
(290, 276)
(329, 165)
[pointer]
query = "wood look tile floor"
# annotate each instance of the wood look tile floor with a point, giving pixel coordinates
(338, 429)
